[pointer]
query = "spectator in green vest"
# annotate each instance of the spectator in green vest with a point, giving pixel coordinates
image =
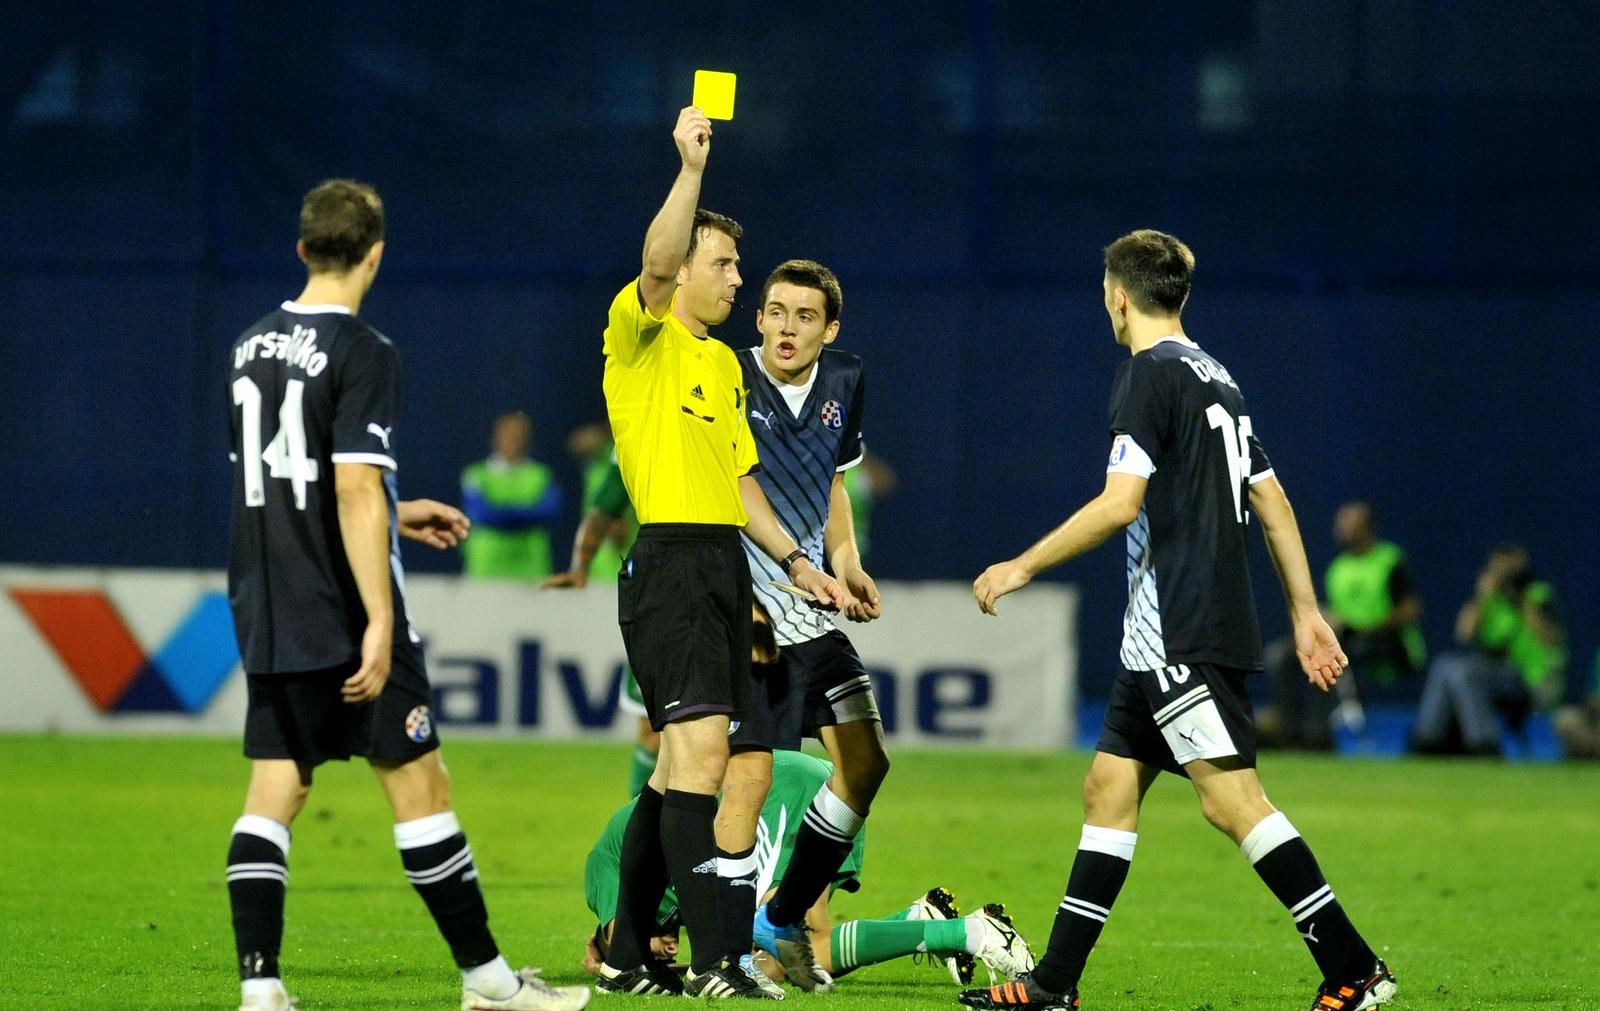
(1372, 603)
(511, 500)
(1514, 663)
(608, 525)
(866, 484)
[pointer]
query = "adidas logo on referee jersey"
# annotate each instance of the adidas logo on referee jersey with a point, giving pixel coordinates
(697, 393)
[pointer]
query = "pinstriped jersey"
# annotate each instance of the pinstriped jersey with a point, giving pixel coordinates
(1179, 419)
(801, 451)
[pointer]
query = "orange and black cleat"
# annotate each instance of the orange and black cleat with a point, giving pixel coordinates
(1021, 993)
(1373, 991)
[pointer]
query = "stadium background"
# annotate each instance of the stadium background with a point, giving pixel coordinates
(1393, 205)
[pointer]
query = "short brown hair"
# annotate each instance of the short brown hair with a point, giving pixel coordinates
(340, 221)
(1156, 269)
(808, 274)
(717, 223)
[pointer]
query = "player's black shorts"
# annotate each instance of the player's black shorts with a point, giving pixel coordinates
(1172, 716)
(814, 684)
(683, 601)
(303, 716)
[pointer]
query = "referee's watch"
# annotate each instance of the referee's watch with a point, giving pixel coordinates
(791, 558)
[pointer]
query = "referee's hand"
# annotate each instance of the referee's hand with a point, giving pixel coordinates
(367, 682)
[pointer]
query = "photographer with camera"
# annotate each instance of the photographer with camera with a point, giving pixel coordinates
(1514, 668)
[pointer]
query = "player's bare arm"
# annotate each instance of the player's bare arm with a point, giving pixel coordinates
(844, 555)
(666, 244)
(769, 535)
(592, 533)
(1115, 507)
(433, 523)
(1321, 657)
(364, 528)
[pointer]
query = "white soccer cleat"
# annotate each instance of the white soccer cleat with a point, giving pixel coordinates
(1000, 947)
(940, 904)
(533, 995)
(751, 969)
(277, 1000)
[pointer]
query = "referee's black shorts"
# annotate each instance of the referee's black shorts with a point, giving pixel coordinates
(683, 601)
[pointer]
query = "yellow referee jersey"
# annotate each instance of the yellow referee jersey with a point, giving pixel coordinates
(677, 407)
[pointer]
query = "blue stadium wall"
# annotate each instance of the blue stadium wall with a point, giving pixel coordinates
(1393, 205)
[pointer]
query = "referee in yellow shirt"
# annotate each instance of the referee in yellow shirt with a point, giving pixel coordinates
(677, 404)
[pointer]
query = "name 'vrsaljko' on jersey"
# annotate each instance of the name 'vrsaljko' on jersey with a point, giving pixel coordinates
(1179, 419)
(311, 386)
(805, 435)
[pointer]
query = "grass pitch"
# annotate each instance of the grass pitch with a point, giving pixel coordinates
(1479, 882)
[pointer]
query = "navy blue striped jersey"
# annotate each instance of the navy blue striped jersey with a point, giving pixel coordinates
(309, 386)
(1178, 418)
(802, 446)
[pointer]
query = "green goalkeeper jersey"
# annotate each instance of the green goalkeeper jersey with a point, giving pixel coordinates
(796, 777)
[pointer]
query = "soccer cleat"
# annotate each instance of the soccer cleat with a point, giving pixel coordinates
(725, 979)
(792, 946)
(278, 1001)
(1002, 950)
(940, 904)
(748, 964)
(650, 977)
(1375, 990)
(1019, 993)
(533, 995)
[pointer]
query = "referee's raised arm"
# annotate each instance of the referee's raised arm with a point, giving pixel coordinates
(666, 244)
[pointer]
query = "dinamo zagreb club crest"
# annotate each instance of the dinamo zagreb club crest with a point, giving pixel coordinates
(419, 724)
(833, 415)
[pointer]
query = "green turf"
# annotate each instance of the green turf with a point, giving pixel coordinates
(1479, 882)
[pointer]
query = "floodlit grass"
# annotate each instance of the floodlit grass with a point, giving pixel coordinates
(1479, 882)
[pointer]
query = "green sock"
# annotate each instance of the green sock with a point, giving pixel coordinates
(868, 942)
(644, 763)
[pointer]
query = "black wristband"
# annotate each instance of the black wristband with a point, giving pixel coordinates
(790, 559)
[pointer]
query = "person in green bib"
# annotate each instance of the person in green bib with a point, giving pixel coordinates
(511, 500)
(1372, 605)
(932, 924)
(1514, 664)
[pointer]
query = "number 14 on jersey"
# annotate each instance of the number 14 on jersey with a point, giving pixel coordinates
(285, 456)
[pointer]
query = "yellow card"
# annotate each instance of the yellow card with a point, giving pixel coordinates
(713, 93)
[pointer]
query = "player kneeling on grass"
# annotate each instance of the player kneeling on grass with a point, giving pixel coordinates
(930, 925)
(314, 579)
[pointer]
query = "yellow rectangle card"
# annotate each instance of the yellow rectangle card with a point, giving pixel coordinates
(713, 93)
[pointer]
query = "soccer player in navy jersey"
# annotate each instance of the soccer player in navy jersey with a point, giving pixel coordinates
(1186, 472)
(318, 597)
(805, 405)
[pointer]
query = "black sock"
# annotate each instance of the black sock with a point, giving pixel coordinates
(825, 839)
(736, 897)
(688, 838)
(1098, 871)
(439, 864)
(1284, 862)
(643, 869)
(258, 876)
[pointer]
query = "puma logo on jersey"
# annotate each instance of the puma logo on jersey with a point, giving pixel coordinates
(765, 420)
(1192, 736)
(381, 432)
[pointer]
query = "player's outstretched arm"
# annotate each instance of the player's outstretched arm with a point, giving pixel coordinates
(666, 244)
(586, 542)
(1321, 657)
(364, 528)
(433, 523)
(1115, 507)
(770, 537)
(844, 555)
